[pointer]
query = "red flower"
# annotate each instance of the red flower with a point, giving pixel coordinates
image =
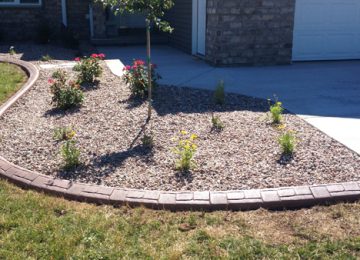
(101, 56)
(77, 59)
(139, 62)
(94, 56)
(134, 67)
(51, 81)
(127, 67)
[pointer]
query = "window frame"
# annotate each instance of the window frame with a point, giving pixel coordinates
(17, 3)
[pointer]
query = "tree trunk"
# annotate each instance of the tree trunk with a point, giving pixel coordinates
(148, 52)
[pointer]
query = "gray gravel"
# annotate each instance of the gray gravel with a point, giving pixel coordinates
(244, 155)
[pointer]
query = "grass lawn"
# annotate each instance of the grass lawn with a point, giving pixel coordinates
(12, 78)
(36, 226)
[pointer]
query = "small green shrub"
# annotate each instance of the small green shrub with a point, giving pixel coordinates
(287, 143)
(46, 57)
(12, 50)
(70, 154)
(147, 141)
(89, 68)
(219, 94)
(185, 150)
(276, 111)
(136, 76)
(65, 94)
(64, 133)
(217, 124)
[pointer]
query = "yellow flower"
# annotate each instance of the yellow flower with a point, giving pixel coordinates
(183, 132)
(193, 137)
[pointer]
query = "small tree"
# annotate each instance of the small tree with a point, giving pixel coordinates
(154, 10)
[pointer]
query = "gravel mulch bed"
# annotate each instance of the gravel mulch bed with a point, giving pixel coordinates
(244, 155)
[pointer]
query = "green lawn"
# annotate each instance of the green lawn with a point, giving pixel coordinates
(11, 79)
(36, 226)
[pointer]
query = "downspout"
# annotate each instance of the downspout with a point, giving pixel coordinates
(64, 13)
(91, 20)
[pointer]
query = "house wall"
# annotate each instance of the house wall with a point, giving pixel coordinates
(78, 18)
(249, 31)
(18, 23)
(180, 18)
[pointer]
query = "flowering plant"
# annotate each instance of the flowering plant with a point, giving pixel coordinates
(185, 149)
(65, 94)
(136, 76)
(89, 67)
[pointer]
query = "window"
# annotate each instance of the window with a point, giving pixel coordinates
(20, 2)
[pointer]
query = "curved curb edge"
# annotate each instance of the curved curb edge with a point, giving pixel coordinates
(33, 74)
(276, 198)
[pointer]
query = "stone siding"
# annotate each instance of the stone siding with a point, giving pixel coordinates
(249, 32)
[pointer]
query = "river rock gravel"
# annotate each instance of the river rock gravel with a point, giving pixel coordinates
(244, 155)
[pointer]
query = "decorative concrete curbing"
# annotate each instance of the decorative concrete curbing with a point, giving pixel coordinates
(277, 198)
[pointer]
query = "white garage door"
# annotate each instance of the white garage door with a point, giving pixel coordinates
(327, 30)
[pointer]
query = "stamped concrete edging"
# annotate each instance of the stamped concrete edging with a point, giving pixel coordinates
(33, 74)
(277, 198)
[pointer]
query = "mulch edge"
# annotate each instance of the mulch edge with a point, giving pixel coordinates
(274, 199)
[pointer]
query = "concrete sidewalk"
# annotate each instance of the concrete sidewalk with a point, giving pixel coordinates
(325, 94)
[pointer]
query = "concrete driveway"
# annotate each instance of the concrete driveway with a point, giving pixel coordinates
(325, 94)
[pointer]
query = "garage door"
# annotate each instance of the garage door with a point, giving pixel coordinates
(327, 30)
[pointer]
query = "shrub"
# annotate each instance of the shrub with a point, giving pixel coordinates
(64, 133)
(219, 94)
(217, 124)
(70, 154)
(136, 76)
(147, 141)
(12, 50)
(65, 94)
(46, 57)
(185, 150)
(276, 111)
(287, 143)
(89, 68)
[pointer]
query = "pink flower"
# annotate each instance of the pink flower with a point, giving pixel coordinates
(101, 56)
(127, 67)
(77, 59)
(94, 56)
(51, 81)
(134, 67)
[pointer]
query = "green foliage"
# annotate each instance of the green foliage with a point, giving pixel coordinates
(276, 111)
(148, 141)
(185, 150)
(217, 124)
(89, 68)
(154, 10)
(70, 154)
(65, 94)
(136, 76)
(46, 57)
(219, 94)
(64, 133)
(287, 143)
(12, 50)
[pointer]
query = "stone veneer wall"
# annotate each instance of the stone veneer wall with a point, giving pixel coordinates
(249, 31)
(78, 18)
(19, 23)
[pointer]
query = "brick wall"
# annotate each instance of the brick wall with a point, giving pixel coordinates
(78, 20)
(249, 31)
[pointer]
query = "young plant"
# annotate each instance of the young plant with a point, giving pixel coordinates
(185, 150)
(12, 50)
(70, 154)
(276, 111)
(89, 68)
(136, 76)
(219, 94)
(64, 133)
(217, 124)
(148, 141)
(287, 143)
(65, 94)
(46, 57)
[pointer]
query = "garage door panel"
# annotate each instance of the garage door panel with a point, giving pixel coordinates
(326, 30)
